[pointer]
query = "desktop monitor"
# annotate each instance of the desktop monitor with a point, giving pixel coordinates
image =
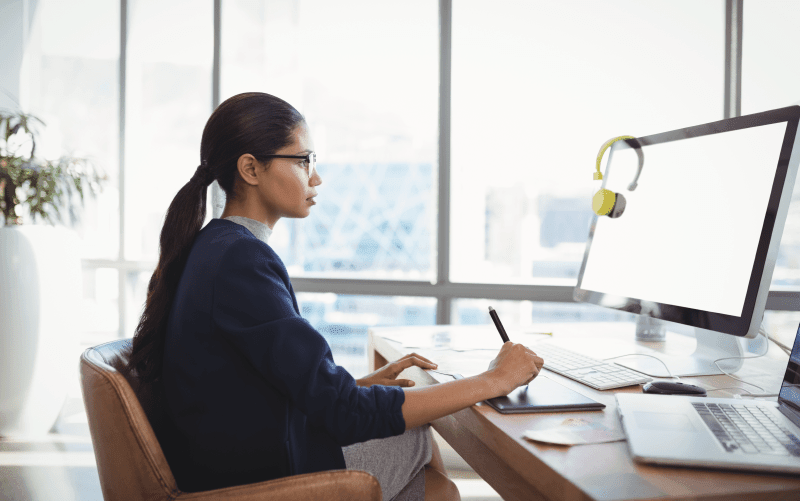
(698, 238)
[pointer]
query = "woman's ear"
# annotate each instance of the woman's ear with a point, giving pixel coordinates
(247, 165)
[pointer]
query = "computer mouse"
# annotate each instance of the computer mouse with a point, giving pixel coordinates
(673, 388)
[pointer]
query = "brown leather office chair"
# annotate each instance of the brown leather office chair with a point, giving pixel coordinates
(132, 465)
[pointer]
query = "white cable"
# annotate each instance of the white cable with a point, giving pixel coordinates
(749, 393)
(755, 395)
(781, 346)
(645, 355)
(761, 330)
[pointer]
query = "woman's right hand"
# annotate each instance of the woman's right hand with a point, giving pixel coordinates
(514, 366)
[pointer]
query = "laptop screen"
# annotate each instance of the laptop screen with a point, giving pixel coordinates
(790, 388)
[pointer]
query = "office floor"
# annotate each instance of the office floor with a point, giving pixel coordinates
(61, 465)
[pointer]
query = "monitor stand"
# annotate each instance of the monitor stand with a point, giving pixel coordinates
(710, 346)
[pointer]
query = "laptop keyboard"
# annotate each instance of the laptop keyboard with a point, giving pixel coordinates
(748, 428)
(586, 370)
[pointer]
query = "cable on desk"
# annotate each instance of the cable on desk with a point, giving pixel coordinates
(757, 395)
(781, 345)
(749, 393)
(761, 331)
(644, 355)
(764, 332)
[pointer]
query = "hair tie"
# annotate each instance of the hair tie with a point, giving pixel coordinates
(203, 175)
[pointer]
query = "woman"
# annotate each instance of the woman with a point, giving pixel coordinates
(251, 390)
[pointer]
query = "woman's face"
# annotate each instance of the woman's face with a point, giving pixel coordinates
(288, 190)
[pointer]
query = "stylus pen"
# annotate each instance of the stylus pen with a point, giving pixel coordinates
(498, 324)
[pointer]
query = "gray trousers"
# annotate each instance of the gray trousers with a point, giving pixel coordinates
(397, 462)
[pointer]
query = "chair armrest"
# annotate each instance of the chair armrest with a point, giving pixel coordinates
(344, 485)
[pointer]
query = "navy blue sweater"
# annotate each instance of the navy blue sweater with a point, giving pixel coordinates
(252, 391)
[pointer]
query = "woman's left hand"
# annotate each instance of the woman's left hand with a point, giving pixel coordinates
(387, 374)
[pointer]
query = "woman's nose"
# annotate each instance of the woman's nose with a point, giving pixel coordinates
(315, 179)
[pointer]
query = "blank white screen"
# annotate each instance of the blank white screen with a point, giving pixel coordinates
(690, 230)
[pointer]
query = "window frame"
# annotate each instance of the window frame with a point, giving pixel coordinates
(443, 289)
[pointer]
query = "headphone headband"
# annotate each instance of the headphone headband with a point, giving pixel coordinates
(606, 202)
(599, 175)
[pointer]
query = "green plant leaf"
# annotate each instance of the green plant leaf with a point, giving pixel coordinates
(48, 186)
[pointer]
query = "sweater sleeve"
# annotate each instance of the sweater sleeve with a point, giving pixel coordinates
(253, 309)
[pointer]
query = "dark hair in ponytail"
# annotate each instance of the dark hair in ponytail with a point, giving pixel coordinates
(254, 123)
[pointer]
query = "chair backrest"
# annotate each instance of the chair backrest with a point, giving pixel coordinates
(130, 461)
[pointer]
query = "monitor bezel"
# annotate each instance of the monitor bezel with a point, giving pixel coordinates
(769, 241)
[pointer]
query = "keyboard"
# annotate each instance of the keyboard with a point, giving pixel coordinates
(594, 373)
(748, 428)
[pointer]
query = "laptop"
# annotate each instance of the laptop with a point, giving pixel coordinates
(731, 433)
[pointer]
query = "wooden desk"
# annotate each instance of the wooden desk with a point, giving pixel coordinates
(493, 444)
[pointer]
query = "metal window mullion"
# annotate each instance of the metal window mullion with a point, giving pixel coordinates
(783, 301)
(444, 303)
(215, 76)
(217, 196)
(122, 299)
(448, 291)
(733, 58)
(777, 300)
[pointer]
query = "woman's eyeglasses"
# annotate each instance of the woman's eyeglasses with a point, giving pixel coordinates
(310, 160)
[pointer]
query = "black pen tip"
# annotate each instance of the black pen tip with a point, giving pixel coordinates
(491, 309)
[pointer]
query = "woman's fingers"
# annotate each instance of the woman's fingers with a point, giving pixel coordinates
(413, 359)
(516, 364)
(537, 360)
(417, 356)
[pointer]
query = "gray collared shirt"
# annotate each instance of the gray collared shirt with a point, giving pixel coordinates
(260, 230)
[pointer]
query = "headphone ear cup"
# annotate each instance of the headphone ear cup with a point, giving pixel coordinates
(619, 206)
(603, 202)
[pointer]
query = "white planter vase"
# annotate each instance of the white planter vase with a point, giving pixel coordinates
(40, 292)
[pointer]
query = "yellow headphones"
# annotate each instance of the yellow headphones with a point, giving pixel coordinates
(606, 202)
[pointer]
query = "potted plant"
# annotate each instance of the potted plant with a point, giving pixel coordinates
(40, 276)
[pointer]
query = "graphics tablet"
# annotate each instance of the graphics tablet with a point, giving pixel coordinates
(543, 395)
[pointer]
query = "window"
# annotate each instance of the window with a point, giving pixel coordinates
(168, 100)
(770, 72)
(100, 305)
(399, 96)
(525, 313)
(345, 320)
(70, 80)
(72, 62)
(771, 79)
(538, 87)
(365, 75)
